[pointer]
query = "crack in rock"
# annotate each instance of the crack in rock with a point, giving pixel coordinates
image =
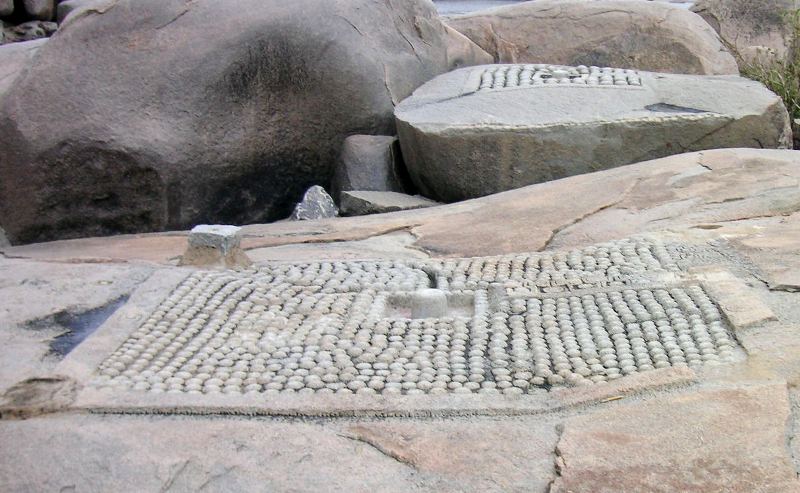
(390, 452)
(554, 234)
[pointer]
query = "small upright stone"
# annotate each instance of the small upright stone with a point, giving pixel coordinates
(368, 162)
(316, 204)
(4, 239)
(221, 237)
(215, 245)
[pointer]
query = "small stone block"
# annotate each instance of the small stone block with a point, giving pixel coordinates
(221, 237)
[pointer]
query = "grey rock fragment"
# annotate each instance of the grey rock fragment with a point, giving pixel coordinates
(361, 203)
(316, 204)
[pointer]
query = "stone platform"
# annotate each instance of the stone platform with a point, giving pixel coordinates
(510, 325)
(650, 344)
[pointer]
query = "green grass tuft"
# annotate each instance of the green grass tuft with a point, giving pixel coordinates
(781, 76)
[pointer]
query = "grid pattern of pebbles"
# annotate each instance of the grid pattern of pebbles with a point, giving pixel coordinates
(538, 75)
(614, 264)
(324, 327)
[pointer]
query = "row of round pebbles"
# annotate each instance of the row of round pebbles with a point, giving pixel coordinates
(533, 75)
(261, 333)
(593, 266)
(342, 277)
(604, 336)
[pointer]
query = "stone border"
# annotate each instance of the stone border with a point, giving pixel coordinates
(82, 362)
(107, 401)
(81, 365)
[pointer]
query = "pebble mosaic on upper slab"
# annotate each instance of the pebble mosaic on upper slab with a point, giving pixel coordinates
(512, 76)
(509, 324)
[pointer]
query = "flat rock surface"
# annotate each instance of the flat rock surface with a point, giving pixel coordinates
(731, 439)
(359, 202)
(726, 427)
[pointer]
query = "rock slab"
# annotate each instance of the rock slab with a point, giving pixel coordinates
(361, 203)
(651, 36)
(483, 130)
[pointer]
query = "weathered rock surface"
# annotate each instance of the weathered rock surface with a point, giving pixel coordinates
(701, 193)
(81, 8)
(483, 130)
(732, 439)
(368, 162)
(651, 36)
(6, 8)
(271, 100)
(361, 203)
(42, 10)
(316, 204)
(66, 7)
(36, 396)
(13, 59)
(274, 455)
(757, 30)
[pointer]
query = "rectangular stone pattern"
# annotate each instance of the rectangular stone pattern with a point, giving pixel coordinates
(539, 75)
(512, 324)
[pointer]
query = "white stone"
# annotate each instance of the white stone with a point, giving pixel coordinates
(220, 237)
